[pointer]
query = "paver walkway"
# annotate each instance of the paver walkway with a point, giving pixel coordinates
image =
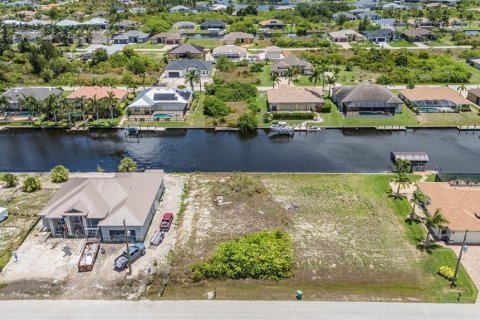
(471, 263)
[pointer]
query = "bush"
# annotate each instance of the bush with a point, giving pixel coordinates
(252, 105)
(446, 272)
(233, 91)
(59, 174)
(10, 180)
(264, 255)
(267, 117)
(247, 122)
(214, 107)
(293, 116)
(241, 183)
(127, 165)
(31, 184)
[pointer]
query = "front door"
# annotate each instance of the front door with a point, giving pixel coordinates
(76, 226)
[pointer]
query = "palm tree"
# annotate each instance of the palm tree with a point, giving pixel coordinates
(402, 179)
(4, 103)
(315, 76)
(81, 103)
(65, 106)
(290, 73)
(418, 198)
(275, 79)
(461, 88)
(437, 221)
(331, 80)
(52, 105)
(111, 101)
(402, 168)
(192, 77)
(94, 105)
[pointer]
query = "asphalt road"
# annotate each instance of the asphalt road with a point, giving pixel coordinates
(119, 310)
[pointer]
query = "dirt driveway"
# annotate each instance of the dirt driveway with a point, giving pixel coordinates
(47, 267)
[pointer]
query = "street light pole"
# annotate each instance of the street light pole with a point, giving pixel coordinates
(459, 258)
(128, 249)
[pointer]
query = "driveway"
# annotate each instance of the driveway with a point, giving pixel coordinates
(421, 45)
(471, 263)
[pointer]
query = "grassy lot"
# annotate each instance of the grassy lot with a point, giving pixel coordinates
(146, 45)
(363, 44)
(402, 43)
(350, 240)
(207, 43)
(449, 119)
(22, 216)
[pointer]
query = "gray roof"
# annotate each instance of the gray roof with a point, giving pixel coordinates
(365, 93)
(291, 61)
(213, 24)
(39, 93)
(136, 33)
(125, 23)
(111, 198)
(187, 47)
(183, 23)
(385, 32)
(411, 156)
(184, 64)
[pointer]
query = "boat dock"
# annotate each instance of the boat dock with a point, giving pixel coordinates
(466, 129)
(226, 129)
(3, 128)
(391, 128)
(151, 129)
(78, 129)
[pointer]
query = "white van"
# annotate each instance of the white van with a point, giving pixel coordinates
(3, 214)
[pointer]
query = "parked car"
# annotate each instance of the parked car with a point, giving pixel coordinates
(3, 214)
(136, 250)
(157, 238)
(166, 222)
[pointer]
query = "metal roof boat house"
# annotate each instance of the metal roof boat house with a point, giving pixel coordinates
(418, 160)
(97, 206)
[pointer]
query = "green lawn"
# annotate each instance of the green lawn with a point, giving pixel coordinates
(207, 43)
(363, 44)
(146, 45)
(450, 119)
(402, 43)
(264, 76)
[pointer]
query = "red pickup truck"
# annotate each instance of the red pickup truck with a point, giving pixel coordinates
(166, 222)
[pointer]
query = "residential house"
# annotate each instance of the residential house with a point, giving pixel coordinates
(345, 36)
(17, 94)
(99, 206)
(138, 10)
(370, 15)
(273, 53)
(281, 66)
(382, 35)
(98, 38)
(39, 23)
(366, 99)
(213, 25)
(177, 9)
(349, 16)
(423, 23)
(200, 9)
(183, 25)
(99, 23)
(219, 7)
(167, 38)
(459, 203)
(126, 24)
(474, 96)
(187, 50)
(272, 24)
(366, 4)
(178, 68)
(291, 98)
(230, 51)
(98, 93)
(67, 24)
(428, 99)
(238, 38)
(393, 6)
(389, 23)
(163, 101)
(435, 5)
(418, 35)
(131, 36)
(30, 36)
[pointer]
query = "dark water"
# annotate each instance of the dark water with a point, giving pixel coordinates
(192, 150)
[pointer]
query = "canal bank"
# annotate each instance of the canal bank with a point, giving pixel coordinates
(332, 150)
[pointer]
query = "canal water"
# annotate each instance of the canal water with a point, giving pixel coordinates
(201, 150)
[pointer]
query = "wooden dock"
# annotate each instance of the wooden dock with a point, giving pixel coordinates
(391, 128)
(466, 129)
(226, 129)
(152, 129)
(78, 129)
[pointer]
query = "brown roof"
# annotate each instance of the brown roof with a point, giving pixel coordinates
(291, 94)
(99, 92)
(437, 93)
(417, 32)
(459, 205)
(475, 92)
(168, 35)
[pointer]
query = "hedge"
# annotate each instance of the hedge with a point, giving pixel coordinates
(293, 115)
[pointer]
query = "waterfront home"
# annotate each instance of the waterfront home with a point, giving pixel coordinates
(131, 36)
(17, 95)
(187, 50)
(238, 38)
(179, 8)
(100, 23)
(167, 38)
(272, 24)
(302, 65)
(126, 24)
(213, 25)
(439, 99)
(291, 98)
(178, 68)
(273, 53)
(474, 96)
(459, 203)
(382, 35)
(345, 36)
(161, 102)
(98, 206)
(231, 52)
(418, 35)
(183, 25)
(366, 100)
(98, 93)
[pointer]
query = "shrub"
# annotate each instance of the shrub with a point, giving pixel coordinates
(31, 184)
(127, 165)
(253, 105)
(10, 180)
(59, 174)
(264, 255)
(446, 272)
(214, 107)
(233, 91)
(293, 116)
(247, 122)
(241, 183)
(267, 117)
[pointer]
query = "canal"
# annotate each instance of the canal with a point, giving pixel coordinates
(201, 150)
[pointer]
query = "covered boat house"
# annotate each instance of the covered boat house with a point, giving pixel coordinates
(418, 160)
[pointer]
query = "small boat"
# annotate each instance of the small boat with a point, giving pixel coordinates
(282, 128)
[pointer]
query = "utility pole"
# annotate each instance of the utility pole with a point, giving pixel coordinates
(459, 258)
(128, 248)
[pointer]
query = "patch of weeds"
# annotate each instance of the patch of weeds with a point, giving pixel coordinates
(242, 183)
(183, 203)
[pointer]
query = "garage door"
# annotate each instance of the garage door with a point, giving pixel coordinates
(174, 74)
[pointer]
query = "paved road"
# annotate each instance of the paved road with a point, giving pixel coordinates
(118, 310)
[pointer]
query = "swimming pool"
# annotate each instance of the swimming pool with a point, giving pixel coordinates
(163, 116)
(23, 114)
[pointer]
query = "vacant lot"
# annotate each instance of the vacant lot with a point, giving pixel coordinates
(350, 239)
